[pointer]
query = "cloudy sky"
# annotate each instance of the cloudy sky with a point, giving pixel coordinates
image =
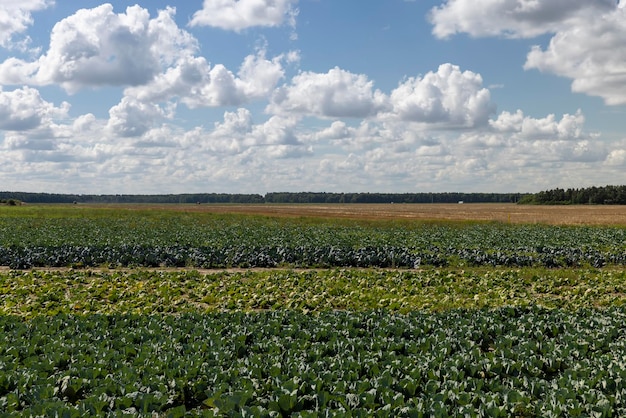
(257, 96)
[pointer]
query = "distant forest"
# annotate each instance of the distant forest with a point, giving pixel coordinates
(305, 197)
(606, 195)
(132, 198)
(301, 197)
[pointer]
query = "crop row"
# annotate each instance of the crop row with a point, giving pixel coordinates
(203, 230)
(505, 362)
(33, 293)
(118, 238)
(245, 256)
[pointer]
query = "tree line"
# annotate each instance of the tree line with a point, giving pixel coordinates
(299, 197)
(605, 195)
(132, 198)
(309, 197)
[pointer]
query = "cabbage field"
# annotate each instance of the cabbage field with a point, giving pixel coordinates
(111, 312)
(87, 237)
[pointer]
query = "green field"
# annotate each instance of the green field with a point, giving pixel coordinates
(47, 236)
(119, 312)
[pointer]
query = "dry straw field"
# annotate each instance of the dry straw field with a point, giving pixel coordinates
(555, 215)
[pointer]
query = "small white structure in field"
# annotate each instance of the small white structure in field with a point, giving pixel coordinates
(460, 202)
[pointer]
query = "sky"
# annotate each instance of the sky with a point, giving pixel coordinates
(258, 96)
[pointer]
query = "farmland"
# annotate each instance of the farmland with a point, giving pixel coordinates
(144, 237)
(284, 310)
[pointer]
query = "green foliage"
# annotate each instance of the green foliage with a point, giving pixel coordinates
(506, 362)
(456, 340)
(34, 293)
(10, 202)
(309, 197)
(302, 197)
(117, 198)
(607, 195)
(39, 237)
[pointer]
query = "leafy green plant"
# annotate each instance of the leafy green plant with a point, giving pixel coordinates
(93, 238)
(33, 293)
(523, 361)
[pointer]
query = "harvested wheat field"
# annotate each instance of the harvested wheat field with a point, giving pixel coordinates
(498, 212)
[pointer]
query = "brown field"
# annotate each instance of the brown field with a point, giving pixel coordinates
(556, 215)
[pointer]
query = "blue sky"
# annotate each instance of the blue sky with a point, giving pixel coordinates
(257, 96)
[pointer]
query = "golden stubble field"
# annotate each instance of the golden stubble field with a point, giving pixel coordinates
(512, 213)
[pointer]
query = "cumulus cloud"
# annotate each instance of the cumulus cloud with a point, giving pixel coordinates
(235, 124)
(591, 54)
(239, 153)
(549, 128)
(335, 94)
(16, 16)
(83, 123)
(616, 158)
(586, 46)
(237, 134)
(237, 15)
(192, 81)
(337, 130)
(132, 118)
(432, 131)
(512, 18)
(447, 96)
(97, 47)
(24, 109)
(197, 84)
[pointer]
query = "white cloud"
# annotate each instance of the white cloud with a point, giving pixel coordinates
(132, 118)
(616, 158)
(96, 47)
(591, 54)
(24, 109)
(431, 132)
(237, 134)
(448, 96)
(84, 122)
(281, 153)
(197, 84)
(508, 122)
(236, 124)
(16, 16)
(335, 94)
(278, 130)
(337, 130)
(242, 14)
(587, 42)
(259, 76)
(570, 127)
(512, 18)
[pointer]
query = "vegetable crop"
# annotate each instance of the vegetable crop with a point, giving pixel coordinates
(34, 293)
(361, 318)
(505, 362)
(200, 240)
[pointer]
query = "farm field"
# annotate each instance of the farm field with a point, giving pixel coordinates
(498, 212)
(138, 236)
(312, 310)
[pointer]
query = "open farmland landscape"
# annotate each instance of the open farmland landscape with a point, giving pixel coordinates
(313, 310)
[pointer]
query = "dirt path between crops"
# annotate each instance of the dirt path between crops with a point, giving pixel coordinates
(100, 270)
